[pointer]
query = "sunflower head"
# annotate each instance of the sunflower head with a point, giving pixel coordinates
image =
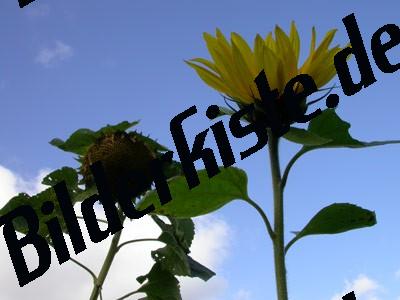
(234, 65)
(122, 156)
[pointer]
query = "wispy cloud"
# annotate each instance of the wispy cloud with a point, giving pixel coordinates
(210, 247)
(363, 287)
(35, 10)
(242, 295)
(50, 56)
(11, 184)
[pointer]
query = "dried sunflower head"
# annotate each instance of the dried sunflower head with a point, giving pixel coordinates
(124, 157)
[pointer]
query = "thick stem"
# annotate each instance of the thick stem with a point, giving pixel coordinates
(112, 251)
(278, 241)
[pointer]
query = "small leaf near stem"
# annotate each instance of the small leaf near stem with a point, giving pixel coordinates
(336, 218)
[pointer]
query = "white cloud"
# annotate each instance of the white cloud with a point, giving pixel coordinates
(363, 287)
(243, 295)
(35, 10)
(397, 274)
(50, 56)
(11, 184)
(210, 247)
(68, 281)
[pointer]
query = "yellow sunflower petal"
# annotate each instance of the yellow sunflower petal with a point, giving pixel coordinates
(212, 45)
(271, 62)
(230, 75)
(259, 52)
(269, 41)
(285, 51)
(325, 42)
(313, 41)
(207, 63)
(244, 50)
(327, 70)
(234, 65)
(209, 78)
(295, 40)
(222, 60)
(223, 44)
(320, 62)
(244, 73)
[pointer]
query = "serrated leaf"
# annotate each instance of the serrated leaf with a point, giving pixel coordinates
(329, 125)
(77, 143)
(337, 218)
(20, 224)
(198, 270)
(35, 202)
(81, 139)
(160, 285)
(181, 229)
(172, 169)
(304, 137)
(82, 195)
(70, 176)
(154, 145)
(210, 195)
(184, 231)
(174, 256)
(67, 174)
(122, 126)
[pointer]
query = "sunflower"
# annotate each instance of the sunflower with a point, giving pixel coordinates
(235, 65)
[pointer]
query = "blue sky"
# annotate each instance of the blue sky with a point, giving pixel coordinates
(73, 64)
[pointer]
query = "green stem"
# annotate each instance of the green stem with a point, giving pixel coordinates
(278, 241)
(289, 166)
(135, 241)
(79, 264)
(128, 295)
(99, 220)
(112, 251)
(263, 216)
(85, 268)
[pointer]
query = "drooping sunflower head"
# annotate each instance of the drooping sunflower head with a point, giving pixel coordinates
(234, 65)
(123, 156)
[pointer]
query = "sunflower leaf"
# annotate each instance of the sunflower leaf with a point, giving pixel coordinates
(304, 137)
(327, 130)
(174, 257)
(81, 139)
(66, 174)
(210, 195)
(161, 284)
(329, 125)
(336, 218)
